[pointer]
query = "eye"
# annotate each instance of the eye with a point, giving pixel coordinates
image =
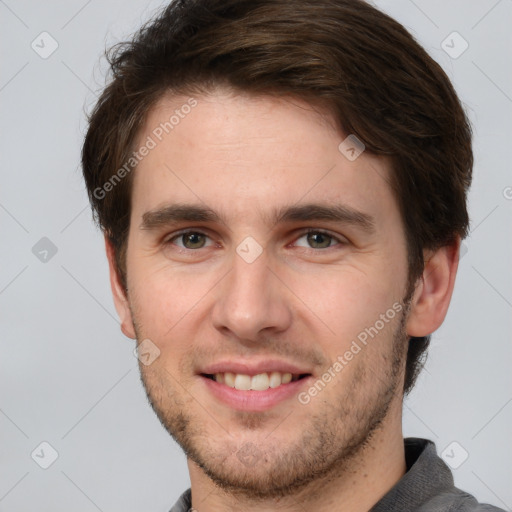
(318, 239)
(189, 240)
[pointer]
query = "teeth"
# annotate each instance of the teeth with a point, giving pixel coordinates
(287, 377)
(275, 379)
(229, 379)
(260, 382)
(243, 382)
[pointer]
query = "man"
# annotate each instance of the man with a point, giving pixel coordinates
(282, 188)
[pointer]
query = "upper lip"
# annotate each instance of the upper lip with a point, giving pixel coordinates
(253, 368)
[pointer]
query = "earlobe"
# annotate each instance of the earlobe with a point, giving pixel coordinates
(433, 293)
(118, 293)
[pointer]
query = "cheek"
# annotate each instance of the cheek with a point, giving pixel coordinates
(345, 304)
(165, 299)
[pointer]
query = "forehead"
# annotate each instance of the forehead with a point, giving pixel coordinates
(243, 154)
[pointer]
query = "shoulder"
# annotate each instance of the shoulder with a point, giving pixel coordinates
(428, 485)
(184, 502)
(456, 500)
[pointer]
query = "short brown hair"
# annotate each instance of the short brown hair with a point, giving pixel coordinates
(375, 79)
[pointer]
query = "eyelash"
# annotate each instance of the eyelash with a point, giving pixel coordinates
(309, 231)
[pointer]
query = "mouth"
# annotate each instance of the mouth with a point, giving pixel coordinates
(254, 386)
(260, 392)
(258, 382)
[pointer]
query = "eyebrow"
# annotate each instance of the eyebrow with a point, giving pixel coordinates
(339, 213)
(321, 212)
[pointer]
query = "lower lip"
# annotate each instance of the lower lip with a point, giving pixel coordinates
(254, 401)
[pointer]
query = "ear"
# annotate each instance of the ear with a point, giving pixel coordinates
(433, 293)
(119, 295)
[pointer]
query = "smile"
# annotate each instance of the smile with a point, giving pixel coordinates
(259, 382)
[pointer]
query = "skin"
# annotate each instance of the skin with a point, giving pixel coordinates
(243, 156)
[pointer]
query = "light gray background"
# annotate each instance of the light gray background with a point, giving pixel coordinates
(67, 374)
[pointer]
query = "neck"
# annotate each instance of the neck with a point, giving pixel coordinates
(356, 488)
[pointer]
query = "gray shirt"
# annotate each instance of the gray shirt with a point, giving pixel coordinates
(426, 487)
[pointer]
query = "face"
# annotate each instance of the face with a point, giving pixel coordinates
(257, 250)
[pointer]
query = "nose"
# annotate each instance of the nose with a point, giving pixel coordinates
(251, 299)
